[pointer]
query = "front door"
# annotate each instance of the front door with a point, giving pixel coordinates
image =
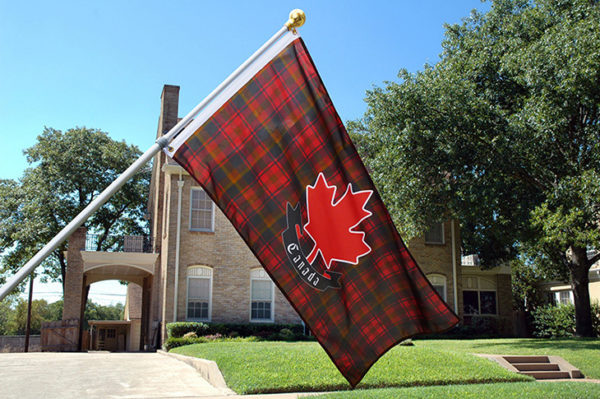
(110, 340)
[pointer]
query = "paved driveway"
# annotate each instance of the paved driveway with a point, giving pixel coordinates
(99, 375)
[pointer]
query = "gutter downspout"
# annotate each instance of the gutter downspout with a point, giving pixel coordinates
(180, 184)
(454, 271)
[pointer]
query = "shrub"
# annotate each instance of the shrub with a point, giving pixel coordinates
(554, 321)
(266, 331)
(559, 321)
(263, 330)
(596, 317)
(180, 328)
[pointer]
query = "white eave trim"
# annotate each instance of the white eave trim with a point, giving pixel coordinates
(171, 169)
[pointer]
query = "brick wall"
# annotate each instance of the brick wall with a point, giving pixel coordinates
(225, 252)
(437, 259)
(74, 284)
(222, 250)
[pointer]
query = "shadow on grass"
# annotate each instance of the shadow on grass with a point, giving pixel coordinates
(364, 386)
(573, 344)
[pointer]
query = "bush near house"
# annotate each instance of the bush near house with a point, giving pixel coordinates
(472, 327)
(187, 333)
(559, 321)
(265, 331)
(180, 328)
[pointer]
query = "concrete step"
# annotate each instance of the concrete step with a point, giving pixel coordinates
(536, 366)
(527, 359)
(547, 375)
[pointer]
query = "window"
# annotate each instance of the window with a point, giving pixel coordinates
(435, 234)
(261, 296)
(564, 297)
(202, 214)
(438, 282)
(199, 293)
(479, 296)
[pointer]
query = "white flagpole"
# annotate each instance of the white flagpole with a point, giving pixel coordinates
(296, 19)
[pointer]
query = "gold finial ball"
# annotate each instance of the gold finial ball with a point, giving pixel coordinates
(297, 19)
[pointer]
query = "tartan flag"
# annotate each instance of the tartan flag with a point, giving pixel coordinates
(273, 154)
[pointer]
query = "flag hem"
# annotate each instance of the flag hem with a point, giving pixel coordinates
(229, 91)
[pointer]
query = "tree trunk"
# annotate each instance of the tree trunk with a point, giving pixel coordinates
(579, 268)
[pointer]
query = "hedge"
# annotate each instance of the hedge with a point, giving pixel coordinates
(262, 330)
(180, 328)
(559, 321)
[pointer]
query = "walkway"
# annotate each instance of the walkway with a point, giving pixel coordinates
(99, 375)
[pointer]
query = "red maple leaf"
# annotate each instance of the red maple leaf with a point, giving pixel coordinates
(330, 224)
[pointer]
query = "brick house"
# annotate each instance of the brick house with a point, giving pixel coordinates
(472, 292)
(195, 267)
(207, 273)
(561, 292)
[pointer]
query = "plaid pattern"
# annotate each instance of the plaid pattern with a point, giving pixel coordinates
(257, 153)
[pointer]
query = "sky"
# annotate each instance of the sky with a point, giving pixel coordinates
(103, 64)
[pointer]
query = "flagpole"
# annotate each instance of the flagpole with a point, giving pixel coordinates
(296, 19)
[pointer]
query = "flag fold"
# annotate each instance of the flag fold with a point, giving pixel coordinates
(275, 157)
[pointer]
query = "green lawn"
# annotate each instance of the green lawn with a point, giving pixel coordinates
(263, 367)
(519, 390)
(582, 353)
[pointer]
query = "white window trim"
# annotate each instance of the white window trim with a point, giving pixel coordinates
(443, 242)
(429, 276)
(557, 297)
(187, 299)
(267, 278)
(212, 222)
(478, 290)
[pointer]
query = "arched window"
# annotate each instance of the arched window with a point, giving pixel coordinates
(438, 281)
(199, 293)
(479, 296)
(262, 294)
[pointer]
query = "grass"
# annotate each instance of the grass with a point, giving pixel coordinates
(265, 367)
(581, 353)
(540, 390)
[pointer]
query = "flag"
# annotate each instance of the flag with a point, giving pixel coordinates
(273, 154)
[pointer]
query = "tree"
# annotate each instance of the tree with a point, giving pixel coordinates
(40, 313)
(502, 133)
(6, 310)
(95, 311)
(68, 170)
